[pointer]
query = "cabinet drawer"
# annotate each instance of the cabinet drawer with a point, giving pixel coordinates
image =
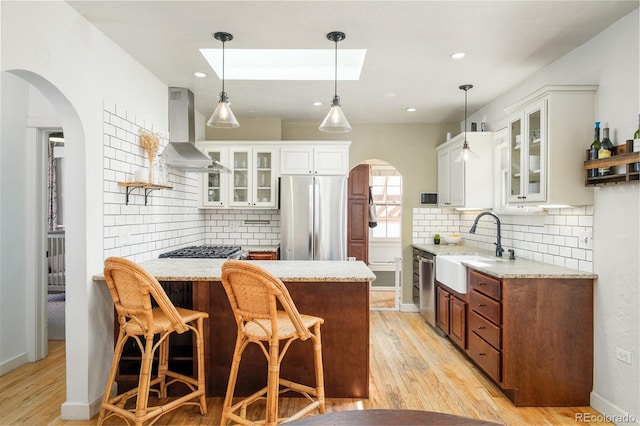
(489, 308)
(485, 356)
(485, 329)
(262, 255)
(485, 284)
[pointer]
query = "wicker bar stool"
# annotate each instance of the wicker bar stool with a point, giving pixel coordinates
(132, 288)
(253, 294)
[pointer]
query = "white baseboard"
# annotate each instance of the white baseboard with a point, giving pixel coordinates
(409, 307)
(382, 288)
(13, 363)
(80, 410)
(610, 412)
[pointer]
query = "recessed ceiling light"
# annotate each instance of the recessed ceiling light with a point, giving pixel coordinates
(317, 103)
(458, 55)
(286, 64)
(410, 109)
(200, 74)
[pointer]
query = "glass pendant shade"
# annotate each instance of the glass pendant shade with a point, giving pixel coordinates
(335, 121)
(466, 153)
(223, 117)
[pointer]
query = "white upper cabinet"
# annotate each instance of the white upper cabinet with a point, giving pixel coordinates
(251, 181)
(466, 184)
(315, 157)
(547, 135)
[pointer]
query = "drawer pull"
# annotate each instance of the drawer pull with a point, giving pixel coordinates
(481, 304)
(482, 354)
(482, 283)
(481, 327)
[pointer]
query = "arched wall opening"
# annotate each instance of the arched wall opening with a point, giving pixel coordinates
(23, 232)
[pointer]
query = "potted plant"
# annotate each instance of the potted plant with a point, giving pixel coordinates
(436, 239)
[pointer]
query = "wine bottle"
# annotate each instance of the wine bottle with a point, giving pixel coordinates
(606, 150)
(593, 150)
(636, 144)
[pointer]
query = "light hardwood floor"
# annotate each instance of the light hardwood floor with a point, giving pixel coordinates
(411, 368)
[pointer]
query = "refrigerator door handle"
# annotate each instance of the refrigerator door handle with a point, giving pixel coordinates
(311, 217)
(316, 218)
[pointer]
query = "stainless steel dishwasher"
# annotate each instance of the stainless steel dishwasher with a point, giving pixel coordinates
(427, 279)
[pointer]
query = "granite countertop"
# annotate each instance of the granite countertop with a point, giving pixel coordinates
(172, 269)
(503, 267)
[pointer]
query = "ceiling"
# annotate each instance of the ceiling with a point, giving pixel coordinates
(408, 44)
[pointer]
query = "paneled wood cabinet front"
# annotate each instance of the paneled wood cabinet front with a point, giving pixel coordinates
(533, 337)
(251, 179)
(451, 316)
(317, 157)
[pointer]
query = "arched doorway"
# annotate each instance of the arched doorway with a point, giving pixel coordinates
(24, 214)
(381, 185)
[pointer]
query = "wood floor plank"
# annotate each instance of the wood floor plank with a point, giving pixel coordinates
(411, 367)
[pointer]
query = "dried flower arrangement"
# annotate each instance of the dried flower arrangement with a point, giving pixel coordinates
(150, 142)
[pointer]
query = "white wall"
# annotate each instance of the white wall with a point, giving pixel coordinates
(610, 60)
(76, 68)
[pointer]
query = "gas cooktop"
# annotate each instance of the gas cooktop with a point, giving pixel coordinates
(219, 252)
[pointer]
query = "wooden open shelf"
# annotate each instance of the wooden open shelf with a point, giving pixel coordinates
(624, 156)
(148, 187)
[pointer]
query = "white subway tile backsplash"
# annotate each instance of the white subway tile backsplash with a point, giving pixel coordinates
(555, 242)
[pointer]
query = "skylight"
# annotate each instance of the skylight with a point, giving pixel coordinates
(286, 64)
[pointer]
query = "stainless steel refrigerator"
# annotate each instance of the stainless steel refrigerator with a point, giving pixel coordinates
(313, 217)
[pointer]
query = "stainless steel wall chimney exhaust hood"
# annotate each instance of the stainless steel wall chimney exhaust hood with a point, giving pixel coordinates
(181, 152)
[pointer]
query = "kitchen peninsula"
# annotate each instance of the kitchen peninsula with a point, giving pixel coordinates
(337, 291)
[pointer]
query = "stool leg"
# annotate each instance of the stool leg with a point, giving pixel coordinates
(117, 353)
(163, 366)
(201, 378)
(143, 381)
(317, 351)
(233, 375)
(273, 382)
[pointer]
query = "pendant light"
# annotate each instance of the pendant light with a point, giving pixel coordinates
(223, 117)
(335, 121)
(465, 153)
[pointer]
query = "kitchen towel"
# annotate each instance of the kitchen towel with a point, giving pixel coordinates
(372, 212)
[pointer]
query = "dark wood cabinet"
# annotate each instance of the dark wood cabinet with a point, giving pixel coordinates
(415, 281)
(262, 255)
(533, 337)
(358, 213)
(442, 309)
(345, 339)
(457, 321)
(451, 316)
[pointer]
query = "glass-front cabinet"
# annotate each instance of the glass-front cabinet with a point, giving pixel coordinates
(253, 177)
(213, 190)
(249, 179)
(527, 147)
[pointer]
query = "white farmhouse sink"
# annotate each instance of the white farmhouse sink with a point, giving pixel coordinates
(451, 272)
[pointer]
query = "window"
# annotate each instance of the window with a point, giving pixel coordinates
(387, 196)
